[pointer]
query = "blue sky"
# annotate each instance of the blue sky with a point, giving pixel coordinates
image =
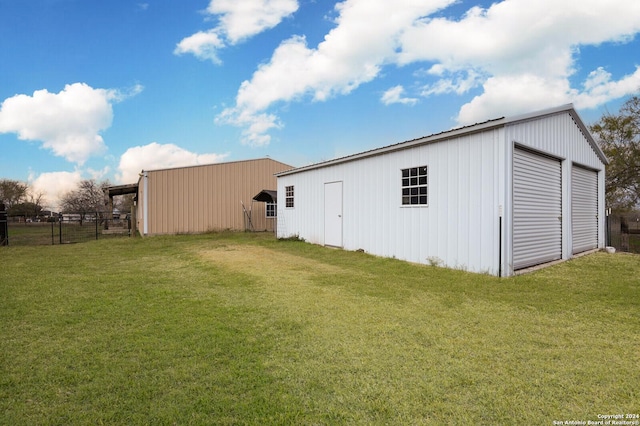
(95, 89)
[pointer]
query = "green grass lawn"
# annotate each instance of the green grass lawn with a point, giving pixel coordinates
(244, 329)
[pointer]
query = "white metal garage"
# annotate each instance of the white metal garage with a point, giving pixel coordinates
(494, 197)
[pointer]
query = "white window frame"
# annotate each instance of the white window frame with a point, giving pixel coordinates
(414, 186)
(271, 210)
(289, 196)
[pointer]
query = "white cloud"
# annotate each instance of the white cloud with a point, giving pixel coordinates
(98, 175)
(599, 89)
(394, 96)
(363, 41)
(512, 95)
(520, 93)
(159, 156)
(68, 123)
(459, 85)
(525, 51)
(54, 185)
(519, 53)
(203, 44)
(238, 21)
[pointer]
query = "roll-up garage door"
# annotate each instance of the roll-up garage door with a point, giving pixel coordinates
(584, 209)
(537, 209)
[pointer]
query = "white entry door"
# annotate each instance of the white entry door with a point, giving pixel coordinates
(333, 214)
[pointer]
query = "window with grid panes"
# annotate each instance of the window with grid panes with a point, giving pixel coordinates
(414, 186)
(288, 196)
(271, 209)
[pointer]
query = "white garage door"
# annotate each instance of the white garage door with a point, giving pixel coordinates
(584, 209)
(537, 209)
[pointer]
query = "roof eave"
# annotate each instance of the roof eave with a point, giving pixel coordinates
(438, 137)
(568, 108)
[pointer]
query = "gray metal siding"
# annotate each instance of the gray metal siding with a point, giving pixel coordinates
(537, 209)
(584, 209)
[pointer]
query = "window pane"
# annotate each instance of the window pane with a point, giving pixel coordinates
(415, 185)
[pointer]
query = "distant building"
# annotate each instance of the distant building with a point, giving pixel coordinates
(206, 198)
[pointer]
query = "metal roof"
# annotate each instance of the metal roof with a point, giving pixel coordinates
(131, 188)
(267, 196)
(460, 131)
(222, 163)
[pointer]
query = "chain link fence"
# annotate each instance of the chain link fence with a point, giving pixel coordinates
(65, 229)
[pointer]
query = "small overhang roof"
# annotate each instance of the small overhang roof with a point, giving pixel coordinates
(267, 196)
(131, 188)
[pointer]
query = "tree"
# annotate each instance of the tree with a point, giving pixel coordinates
(619, 138)
(12, 192)
(27, 209)
(87, 198)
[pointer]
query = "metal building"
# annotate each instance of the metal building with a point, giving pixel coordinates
(495, 197)
(206, 198)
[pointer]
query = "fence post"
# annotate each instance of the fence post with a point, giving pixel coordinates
(96, 216)
(60, 217)
(4, 226)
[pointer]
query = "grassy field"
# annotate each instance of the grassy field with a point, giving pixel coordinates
(244, 329)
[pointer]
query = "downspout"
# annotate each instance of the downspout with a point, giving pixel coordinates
(145, 203)
(500, 242)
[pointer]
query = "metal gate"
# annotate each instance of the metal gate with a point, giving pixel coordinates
(4, 234)
(537, 209)
(584, 209)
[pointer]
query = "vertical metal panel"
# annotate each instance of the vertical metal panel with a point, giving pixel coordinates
(458, 228)
(537, 209)
(584, 209)
(559, 136)
(210, 197)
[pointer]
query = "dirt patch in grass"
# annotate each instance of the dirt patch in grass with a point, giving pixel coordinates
(264, 262)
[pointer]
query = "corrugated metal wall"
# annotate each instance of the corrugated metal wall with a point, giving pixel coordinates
(470, 187)
(584, 209)
(559, 136)
(207, 198)
(458, 228)
(537, 209)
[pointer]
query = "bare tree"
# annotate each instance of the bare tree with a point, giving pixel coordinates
(12, 192)
(87, 198)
